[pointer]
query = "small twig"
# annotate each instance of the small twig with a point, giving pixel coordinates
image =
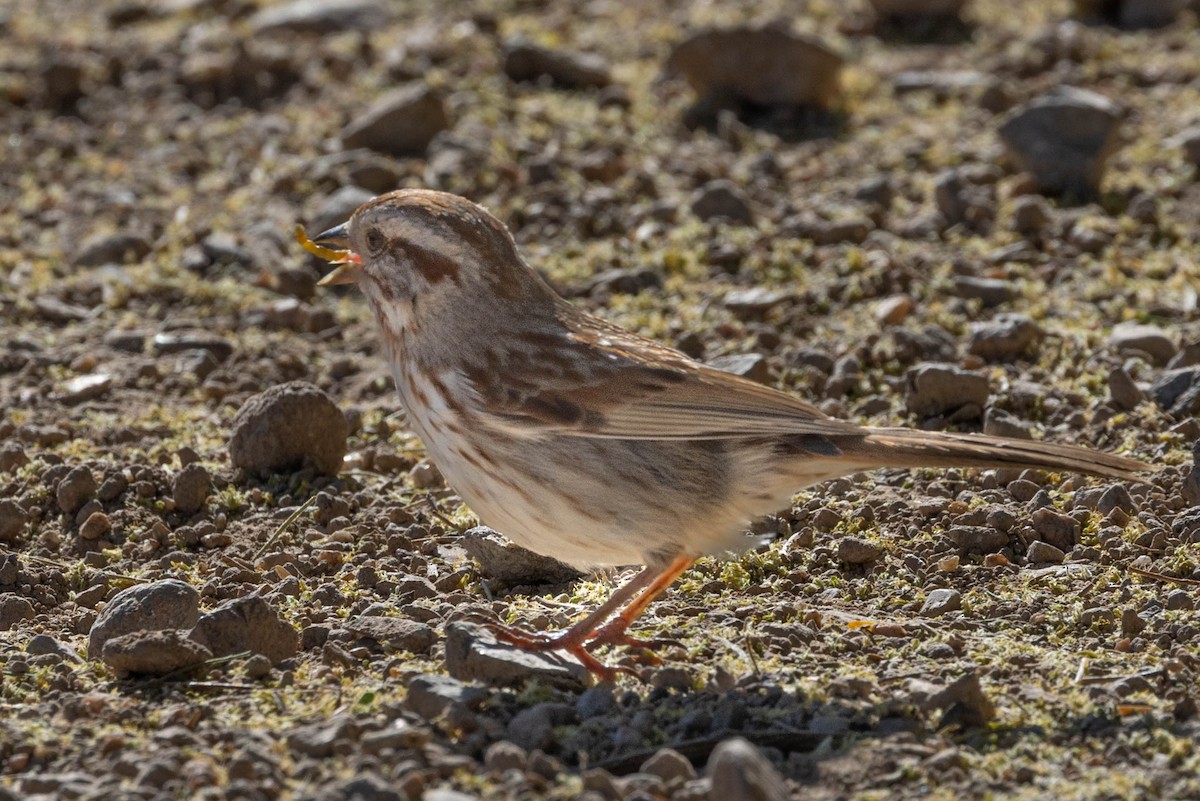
(206, 664)
(271, 540)
(430, 503)
(61, 565)
(1155, 673)
(221, 685)
(734, 647)
(753, 659)
(1137, 571)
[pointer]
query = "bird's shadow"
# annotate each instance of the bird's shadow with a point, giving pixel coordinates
(799, 733)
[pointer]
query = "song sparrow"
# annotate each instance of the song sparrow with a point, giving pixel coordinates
(583, 441)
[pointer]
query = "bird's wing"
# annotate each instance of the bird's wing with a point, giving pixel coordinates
(597, 380)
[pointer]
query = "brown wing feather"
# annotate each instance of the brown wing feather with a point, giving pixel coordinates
(597, 380)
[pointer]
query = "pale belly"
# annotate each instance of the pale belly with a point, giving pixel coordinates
(592, 502)
(491, 473)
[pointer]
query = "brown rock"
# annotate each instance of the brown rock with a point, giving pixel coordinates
(190, 488)
(938, 389)
(978, 539)
(95, 527)
(288, 426)
(402, 633)
(739, 771)
(13, 610)
(1044, 553)
(722, 200)
(12, 520)
(76, 489)
(1123, 390)
(247, 624)
(1063, 139)
(527, 61)
(856, 551)
(166, 604)
(1058, 529)
(1004, 338)
(767, 66)
(152, 652)
(401, 123)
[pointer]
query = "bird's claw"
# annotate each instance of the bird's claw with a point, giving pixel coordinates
(579, 645)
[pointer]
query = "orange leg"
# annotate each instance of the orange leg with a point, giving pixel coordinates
(601, 627)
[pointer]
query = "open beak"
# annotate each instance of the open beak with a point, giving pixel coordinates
(338, 239)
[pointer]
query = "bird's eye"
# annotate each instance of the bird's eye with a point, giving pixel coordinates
(376, 242)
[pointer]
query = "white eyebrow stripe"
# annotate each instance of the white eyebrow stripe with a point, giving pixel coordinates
(424, 237)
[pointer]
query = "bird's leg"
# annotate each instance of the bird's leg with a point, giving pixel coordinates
(614, 632)
(627, 603)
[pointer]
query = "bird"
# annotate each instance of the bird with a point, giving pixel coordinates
(584, 441)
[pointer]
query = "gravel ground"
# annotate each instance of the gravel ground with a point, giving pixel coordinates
(192, 604)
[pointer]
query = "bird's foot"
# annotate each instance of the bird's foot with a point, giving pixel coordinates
(614, 633)
(579, 644)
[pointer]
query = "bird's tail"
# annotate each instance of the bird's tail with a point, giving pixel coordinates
(903, 447)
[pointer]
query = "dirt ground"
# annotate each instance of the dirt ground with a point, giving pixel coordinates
(936, 634)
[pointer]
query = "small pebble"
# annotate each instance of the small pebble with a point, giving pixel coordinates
(95, 527)
(76, 489)
(856, 551)
(941, 601)
(1044, 553)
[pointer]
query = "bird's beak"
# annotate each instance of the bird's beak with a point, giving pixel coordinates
(337, 237)
(334, 246)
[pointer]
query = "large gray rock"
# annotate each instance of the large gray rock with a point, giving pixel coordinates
(1148, 339)
(1063, 139)
(1178, 391)
(166, 604)
(474, 654)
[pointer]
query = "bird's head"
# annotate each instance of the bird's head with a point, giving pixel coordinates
(418, 253)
